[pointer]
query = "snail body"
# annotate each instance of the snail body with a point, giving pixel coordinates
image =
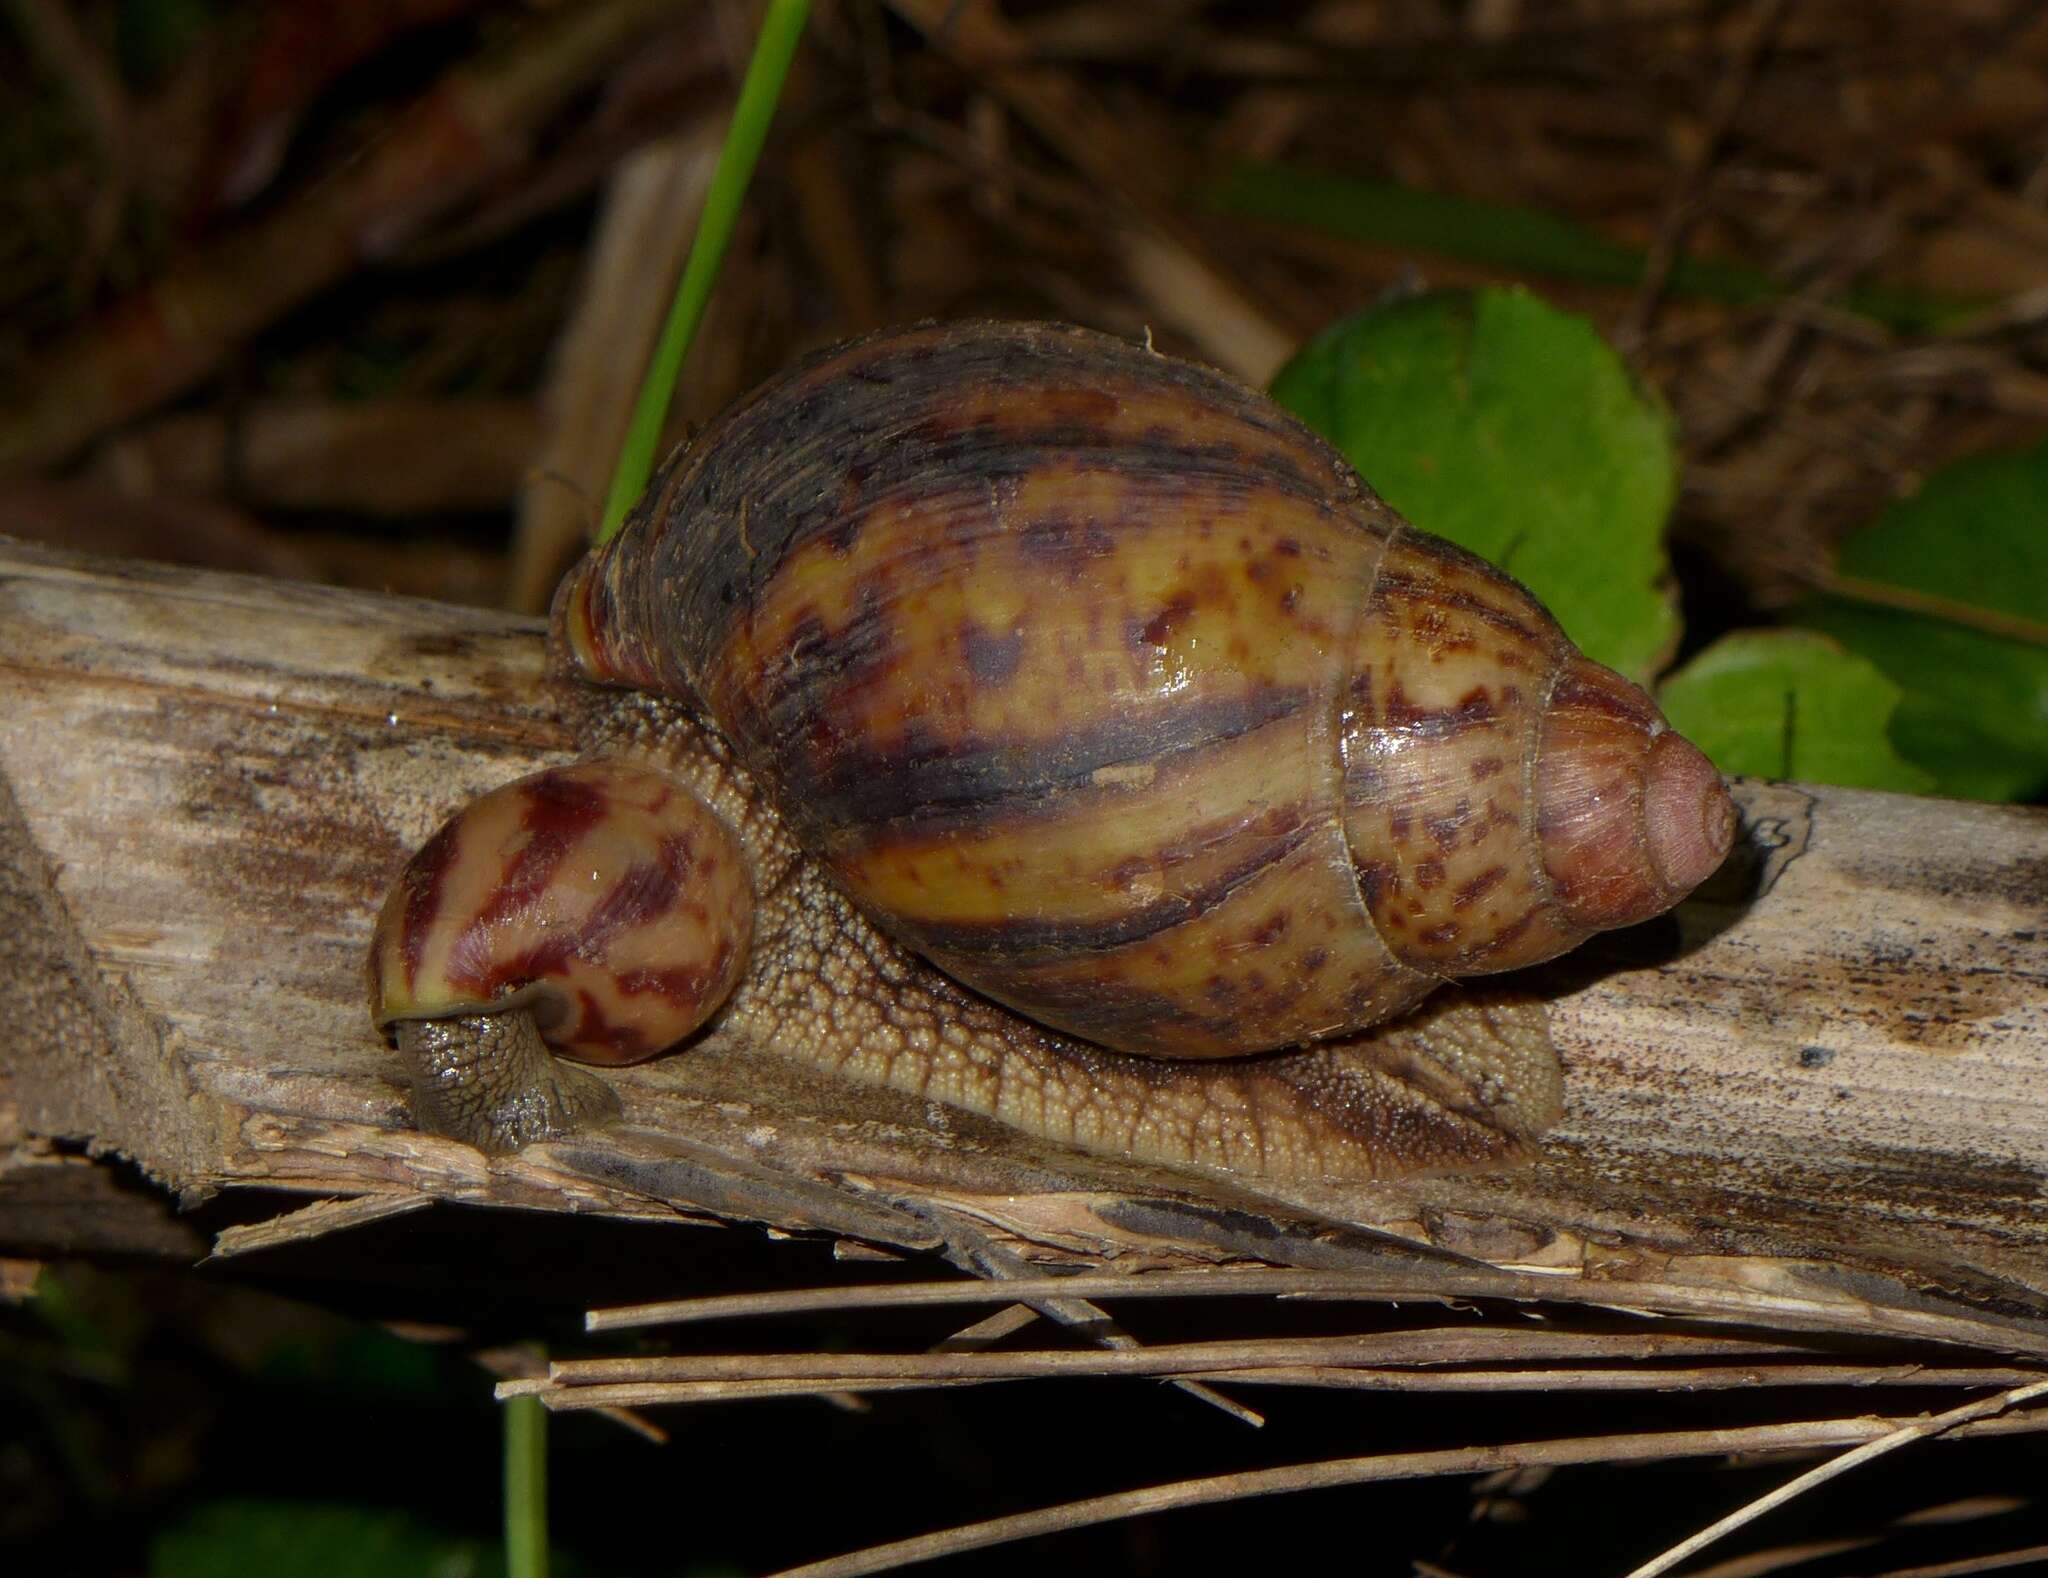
(1099, 682)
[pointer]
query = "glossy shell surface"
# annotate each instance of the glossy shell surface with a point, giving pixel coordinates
(1103, 683)
(604, 896)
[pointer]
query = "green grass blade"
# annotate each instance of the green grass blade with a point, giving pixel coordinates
(1527, 240)
(526, 1488)
(781, 30)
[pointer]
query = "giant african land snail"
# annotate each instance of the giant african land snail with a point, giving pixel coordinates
(1100, 683)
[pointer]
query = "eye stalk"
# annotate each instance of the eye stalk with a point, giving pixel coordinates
(600, 911)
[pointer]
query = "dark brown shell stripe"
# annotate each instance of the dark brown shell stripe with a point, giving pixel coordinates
(1039, 654)
(556, 814)
(552, 814)
(610, 890)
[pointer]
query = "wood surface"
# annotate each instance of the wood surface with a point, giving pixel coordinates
(1817, 1096)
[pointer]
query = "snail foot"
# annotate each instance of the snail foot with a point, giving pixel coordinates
(490, 1081)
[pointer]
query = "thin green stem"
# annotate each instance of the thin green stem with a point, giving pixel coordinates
(781, 29)
(1526, 240)
(526, 1488)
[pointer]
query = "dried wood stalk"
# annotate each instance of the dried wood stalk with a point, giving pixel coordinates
(1820, 1086)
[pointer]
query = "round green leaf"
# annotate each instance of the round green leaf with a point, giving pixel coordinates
(1513, 429)
(1975, 708)
(1788, 704)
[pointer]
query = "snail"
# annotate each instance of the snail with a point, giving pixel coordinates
(1106, 756)
(600, 909)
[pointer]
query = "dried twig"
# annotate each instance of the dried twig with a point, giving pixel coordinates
(397, 459)
(643, 234)
(1368, 1351)
(1753, 1308)
(1970, 616)
(1391, 1466)
(315, 1221)
(2030, 1556)
(1779, 1558)
(972, 1249)
(910, 1375)
(1905, 1433)
(1758, 31)
(1169, 260)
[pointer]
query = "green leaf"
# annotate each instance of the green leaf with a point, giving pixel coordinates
(1789, 704)
(230, 1539)
(1975, 709)
(1529, 240)
(1513, 429)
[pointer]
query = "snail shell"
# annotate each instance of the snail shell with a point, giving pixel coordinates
(1101, 682)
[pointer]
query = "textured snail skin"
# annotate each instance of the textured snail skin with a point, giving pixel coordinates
(490, 1079)
(1088, 727)
(1101, 682)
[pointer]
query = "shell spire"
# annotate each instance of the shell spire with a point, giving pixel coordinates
(1505, 796)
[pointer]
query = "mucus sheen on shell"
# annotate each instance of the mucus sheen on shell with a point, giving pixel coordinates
(603, 896)
(1103, 683)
